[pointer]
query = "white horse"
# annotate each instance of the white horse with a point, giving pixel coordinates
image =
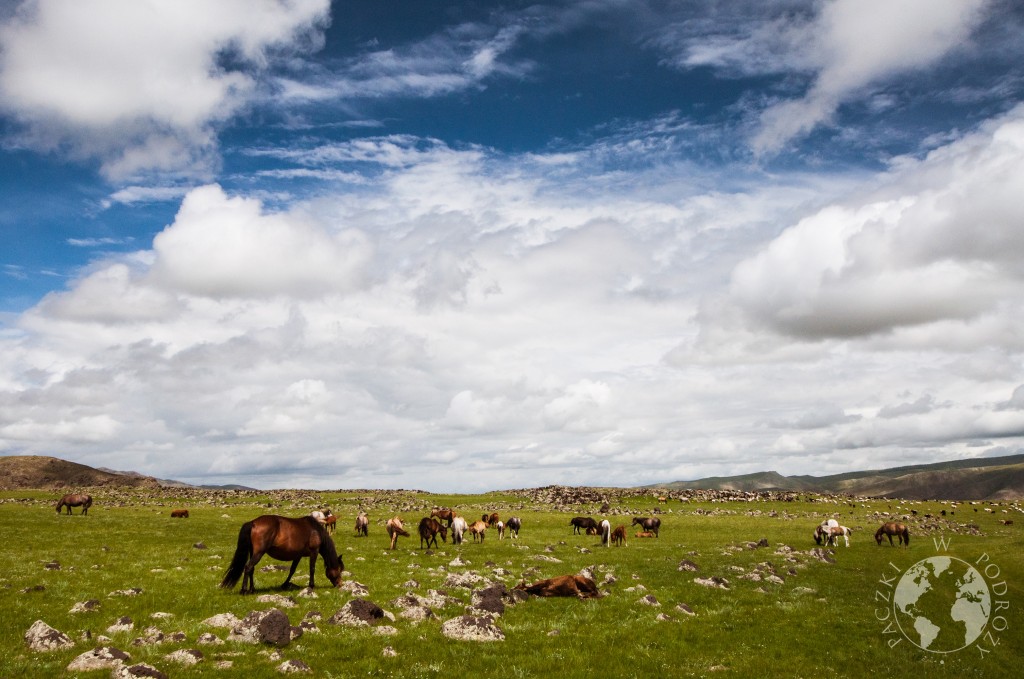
(459, 527)
(605, 528)
(501, 529)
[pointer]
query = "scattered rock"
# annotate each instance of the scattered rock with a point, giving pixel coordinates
(263, 627)
(85, 606)
(307, 593)
(358, 613)
(102, 658)
(185, 656)
(123, 624)
(52, 566)
(139, 670)
(354, 588)
(199, 545)
(763, 542)
(134, 591)
(222, 620)
(685, 608)
(277, 599)
(160, 615)
(467, 580)
(470, 628)
(209, 638)
(713, 581)
(293, 666)
(33, 588)
(823, 555)
(649, 600)
(389, 652)
(385, 631)
(490, 599)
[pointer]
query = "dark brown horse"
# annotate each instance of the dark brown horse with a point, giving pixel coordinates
(564, 585)
(890, 528)
(446, 515)
(490, 519)
(429, 528)
(74, 500)
(652, 525)
(179, 513)
(582, 522)
(283, 539)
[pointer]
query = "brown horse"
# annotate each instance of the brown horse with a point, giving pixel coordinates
(651, 525)
(582, 522)
(74, 500)
(619, 536)
(446, 515)
(564, 585)
(362, 525)
(283, 539)
(179, 513)
(429, 528)
(491, 519)
(890, 528)
(395, 528)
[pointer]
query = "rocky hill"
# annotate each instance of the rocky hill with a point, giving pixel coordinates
(994, 478)
(39, 471)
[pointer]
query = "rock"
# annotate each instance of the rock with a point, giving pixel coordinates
(358, 613)
(293, 666)
(222, 620)
(470, 628)
(687, 565)
(307, 593)
(490, 599)
(354, 588)
(102, 658)
(160, 615)
(649, 600)
(199, 545)
(52, 566)
(33, 588)
(139, 670)
(385, 631)
(209, 638)
(277, 599)
(134, 591)
(685, 608)
(153, 636)
(263, 627)
(85, 606)
(389, 652)
(123, 624)
(713, 581)
(822, 555)
(185, 656)
(763, 542)
(463, 580)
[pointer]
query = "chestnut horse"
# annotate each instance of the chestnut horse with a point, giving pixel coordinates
(890, 528)
(72, 500)
(491, 519)
(283, 539)
(447, 515)
(619, 536)
(429, 528)
(179, 513)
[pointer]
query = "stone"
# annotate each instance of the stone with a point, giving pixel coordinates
(471, 628)
(222, 620)
(389, 652)
(133, 591)
(358, 613)
(649, 600)
(102, 658)
(139, 670)
(293, 666)
(490, 599)
(210, 639)
(713, 581)
(122, 624)
(85, 606)
(263, 627)
(277, 599)
(685, 608)
(687, 565)
(185, 656)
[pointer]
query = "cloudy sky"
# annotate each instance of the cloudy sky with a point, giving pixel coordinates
(463, 246)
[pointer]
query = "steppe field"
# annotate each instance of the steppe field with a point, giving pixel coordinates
(787, 608)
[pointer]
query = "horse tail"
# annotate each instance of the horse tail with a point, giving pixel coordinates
(906, 537)
(242, 554)
(88, 502)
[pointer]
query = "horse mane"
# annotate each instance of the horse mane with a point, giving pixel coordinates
(328, 551)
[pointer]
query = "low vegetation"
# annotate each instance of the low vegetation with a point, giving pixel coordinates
(788, 608)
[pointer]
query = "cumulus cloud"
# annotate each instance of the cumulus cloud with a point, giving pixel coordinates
(141, 86)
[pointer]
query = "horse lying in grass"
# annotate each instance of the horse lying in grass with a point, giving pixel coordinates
(890, 528)
(395, 528)
(179, 513)
(283, 539)
(75, 500)
(563, 585)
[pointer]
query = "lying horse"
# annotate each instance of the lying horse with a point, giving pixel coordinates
(283, 539)
(619, 536)
(563, 585)
(362, 524)
(513, 525)
(447, 515)
(890, 528)
(72, 500)
(652, 525)
(429, 528)
(395, 528)
(582, 523)
(458, 528)
(179, 513)
(644, 534)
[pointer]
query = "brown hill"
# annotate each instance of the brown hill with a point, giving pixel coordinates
(39, 471)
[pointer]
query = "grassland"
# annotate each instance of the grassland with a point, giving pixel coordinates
(821, 621)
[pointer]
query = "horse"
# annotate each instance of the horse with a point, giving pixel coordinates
(179, 513)
(890, 528)
(283, 539)
(477, 529)
(619, 536)
(73, 500)
(501, 530)
(444, 515)
(513, 525)
(362, 524)
(459, 527)
(644, 534)
(652, 525)
(491, 519)
(564, 585)
(429, 528)
(835, 533)
(605, 528)
(821, 530)
(395, 528)
(582, 522)
(331, 523)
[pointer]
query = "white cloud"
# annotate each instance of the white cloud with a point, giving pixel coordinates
(140, 85)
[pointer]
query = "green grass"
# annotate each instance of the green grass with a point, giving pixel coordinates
(821, 622)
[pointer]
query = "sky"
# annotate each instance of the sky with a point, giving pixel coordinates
(463, 246)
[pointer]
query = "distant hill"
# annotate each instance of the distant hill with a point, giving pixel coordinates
(992, 478)
(40, 471)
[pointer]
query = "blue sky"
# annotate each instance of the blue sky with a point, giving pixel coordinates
(467, 246)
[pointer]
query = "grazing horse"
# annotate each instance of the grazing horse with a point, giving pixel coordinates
(72, 500)
(652, 525)
(362, 524)
(619, 536)
(429, 528)
(491, 519)
(179, 513)
(890, 528)
(514, 524)
(395, 528)
(605, 528)
(582, 523)
(563, 585)
(501, 530)
(283, 539)
(477, 529)
(331, 523)
(836, 532)
(458, 528)
(443, 515)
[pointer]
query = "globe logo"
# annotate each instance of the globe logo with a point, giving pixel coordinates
(942, 604)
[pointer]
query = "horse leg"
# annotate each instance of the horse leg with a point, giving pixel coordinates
(248, 583)
(312, 569)
(295, 564)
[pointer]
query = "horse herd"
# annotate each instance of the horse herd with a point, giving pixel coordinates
(829, 531)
